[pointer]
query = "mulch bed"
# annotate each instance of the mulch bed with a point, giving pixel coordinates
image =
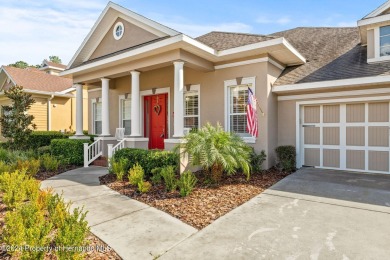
(207, 202)
(41, 176)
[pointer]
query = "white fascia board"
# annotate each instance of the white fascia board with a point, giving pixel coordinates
(378, 11)
(67, 90)
(128, 54)
(55, 94)
(378, 19)
(293, 50)
(323, 85)
(199, 45)
(51, 67)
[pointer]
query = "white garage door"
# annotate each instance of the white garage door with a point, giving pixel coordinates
(351, 136)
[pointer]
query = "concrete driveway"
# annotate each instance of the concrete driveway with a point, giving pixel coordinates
(312, 214)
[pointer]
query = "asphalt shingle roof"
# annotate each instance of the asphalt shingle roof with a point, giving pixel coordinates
(35, 79)
(331, 53)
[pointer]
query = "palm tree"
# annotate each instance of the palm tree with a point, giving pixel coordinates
(217, 151)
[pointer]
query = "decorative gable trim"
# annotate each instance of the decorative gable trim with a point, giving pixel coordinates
(117, 11)
(378, 11)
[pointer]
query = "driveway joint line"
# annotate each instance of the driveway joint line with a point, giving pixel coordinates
(127, 214)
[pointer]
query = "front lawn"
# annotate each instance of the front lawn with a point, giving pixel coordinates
(207, 202)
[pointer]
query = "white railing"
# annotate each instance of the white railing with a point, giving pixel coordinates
(92, 152)
(113, 149)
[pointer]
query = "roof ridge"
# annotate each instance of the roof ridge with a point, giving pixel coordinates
(251, 34)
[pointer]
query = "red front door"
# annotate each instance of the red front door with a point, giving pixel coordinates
(155, 108)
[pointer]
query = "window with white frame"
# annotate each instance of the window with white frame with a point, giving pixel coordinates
(97, 117)
(191, 108)
(385, 41)
(236, 105)
(125, 115)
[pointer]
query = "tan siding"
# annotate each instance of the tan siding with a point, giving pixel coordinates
(355, 113)
(378, 161)
(355, 160)
(378, 136)
(378, 112)
(331, 135)
(312, 114)
(356, 136)
(331, 158)
(331, 114)
(39, 111)
(312, 157)
(370, 44)
(312, 135)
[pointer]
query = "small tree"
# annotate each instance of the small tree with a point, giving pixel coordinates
(16, 124)
(55, 59)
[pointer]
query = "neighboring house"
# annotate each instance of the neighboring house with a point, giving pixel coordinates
(54, 107)
(324, 90)
(52, 68)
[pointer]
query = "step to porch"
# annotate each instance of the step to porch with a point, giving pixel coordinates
(101, 161)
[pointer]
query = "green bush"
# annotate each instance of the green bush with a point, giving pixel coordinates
(257, 161)
(72, 233)
(119, 168)
(144, 186)
(69, 149)
(286, 156)
(187, 183)
(6, 167)
(43, 138)
(31, 167)
(147, 159)
(43, 150)
(169, 176)
(136, 174)
(156, 176)
(217, 151)
(18, 187)
(49, 163)
(12, 156)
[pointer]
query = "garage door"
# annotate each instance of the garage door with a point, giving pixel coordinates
(351, 136)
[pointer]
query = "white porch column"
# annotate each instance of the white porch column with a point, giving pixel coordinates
(178, 126)
(105, 107)
(135, 104)
(79, 109)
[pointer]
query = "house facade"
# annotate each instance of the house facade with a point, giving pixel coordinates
(55, 101)
(323, 90)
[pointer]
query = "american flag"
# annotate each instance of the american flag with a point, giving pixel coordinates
(251, 114)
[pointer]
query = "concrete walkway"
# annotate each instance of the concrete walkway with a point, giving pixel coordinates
(312, 214)
(133, 229)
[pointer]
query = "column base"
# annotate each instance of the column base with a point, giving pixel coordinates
(137, 142)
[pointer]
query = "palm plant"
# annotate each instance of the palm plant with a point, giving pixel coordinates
(217, 151)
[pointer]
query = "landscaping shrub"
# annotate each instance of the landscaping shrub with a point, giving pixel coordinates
(286, 156)
(257, 161)
(38, 139)
(58, 209)
(144, 186)
(17, 188)
(147, 159)
(31, 167)
(43, 150)
(136, 174)
(68, 149)
(156, 176)
(169, 176)
(217, 151)
(12, 156)
(49, 163)
(119, 168)
(187, 183)
(72, 233)
(6, 167)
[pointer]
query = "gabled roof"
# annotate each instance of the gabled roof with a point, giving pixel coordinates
(227, 40)
(103, 24)
(332, 54)
(50, 64)
(379, 11)
(34, 79)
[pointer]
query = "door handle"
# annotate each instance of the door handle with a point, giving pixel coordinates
(163, 134)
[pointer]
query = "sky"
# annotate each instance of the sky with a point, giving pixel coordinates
(34, 30)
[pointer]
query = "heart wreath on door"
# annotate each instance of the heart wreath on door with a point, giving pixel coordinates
(157, 109)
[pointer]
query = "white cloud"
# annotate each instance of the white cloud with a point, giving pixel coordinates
(266, 20)
(37, 31)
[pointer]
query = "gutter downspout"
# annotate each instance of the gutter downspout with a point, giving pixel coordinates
(49, 112)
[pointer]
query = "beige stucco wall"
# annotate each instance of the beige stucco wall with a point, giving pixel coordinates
(212, 98)
(132, 36)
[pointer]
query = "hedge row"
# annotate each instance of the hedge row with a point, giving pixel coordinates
(69, 149)
(43, 138)
(148, 159)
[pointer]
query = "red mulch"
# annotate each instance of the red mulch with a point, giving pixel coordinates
(207, 202)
